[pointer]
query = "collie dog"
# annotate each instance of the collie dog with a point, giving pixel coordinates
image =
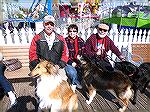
(54, 93)
(95, 79)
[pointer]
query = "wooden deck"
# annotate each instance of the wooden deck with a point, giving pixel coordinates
(27, 101)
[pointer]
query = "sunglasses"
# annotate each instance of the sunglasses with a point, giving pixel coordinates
(100, 29)
(73, 31)
(49, 23)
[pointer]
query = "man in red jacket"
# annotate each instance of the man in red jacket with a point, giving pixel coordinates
(97, 46)
(48, 45)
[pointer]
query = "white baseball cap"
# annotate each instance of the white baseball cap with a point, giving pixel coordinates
(49, 18)
(103, 26)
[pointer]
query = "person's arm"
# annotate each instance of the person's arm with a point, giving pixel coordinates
(116, 51)
(33, 58)
(82, 47)
(65, 55)
(88, 47)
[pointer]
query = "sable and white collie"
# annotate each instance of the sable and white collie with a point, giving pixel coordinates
(54, 93)
(96, 79)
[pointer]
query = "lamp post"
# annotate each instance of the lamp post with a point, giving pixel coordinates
(49, 7)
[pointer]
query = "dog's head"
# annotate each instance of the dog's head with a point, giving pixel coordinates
(82, 59)
(144, 70)
(126, 67)
(43, 68)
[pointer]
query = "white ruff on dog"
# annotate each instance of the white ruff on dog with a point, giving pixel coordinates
(52, 89)
(45, 85)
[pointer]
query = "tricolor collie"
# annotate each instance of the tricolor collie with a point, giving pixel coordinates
(96, 79)
(54, 93)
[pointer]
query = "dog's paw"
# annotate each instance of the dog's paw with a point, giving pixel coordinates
(73, 87)
(88, 102)
(122, 109)
(42, 105)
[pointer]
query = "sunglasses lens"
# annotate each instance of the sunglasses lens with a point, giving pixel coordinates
(73, 31)
(49, 23)
(100, 29)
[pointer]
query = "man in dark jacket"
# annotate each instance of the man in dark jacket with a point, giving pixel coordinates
(97, 46)
(48, 45)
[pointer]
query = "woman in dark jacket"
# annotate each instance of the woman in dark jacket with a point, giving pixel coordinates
(76, 47)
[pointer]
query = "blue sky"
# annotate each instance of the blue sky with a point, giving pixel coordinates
(28, 3)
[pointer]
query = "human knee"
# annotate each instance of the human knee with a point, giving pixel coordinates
(71, 70)
(2, 67)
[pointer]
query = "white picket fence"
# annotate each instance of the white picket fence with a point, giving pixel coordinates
(122, 39)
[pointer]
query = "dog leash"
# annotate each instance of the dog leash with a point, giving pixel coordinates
(110, 58)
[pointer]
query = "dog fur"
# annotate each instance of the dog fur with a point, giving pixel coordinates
(96, 79)
(139, 76)
(54, 93)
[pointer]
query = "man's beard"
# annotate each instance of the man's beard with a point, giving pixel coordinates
(102, 35)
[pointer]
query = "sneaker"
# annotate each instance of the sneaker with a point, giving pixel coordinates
(73, 87)
(12, 98)
(79, 86)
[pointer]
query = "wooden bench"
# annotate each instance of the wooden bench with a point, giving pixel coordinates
(20, 52)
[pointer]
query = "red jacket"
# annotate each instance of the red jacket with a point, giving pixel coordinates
(39, 50)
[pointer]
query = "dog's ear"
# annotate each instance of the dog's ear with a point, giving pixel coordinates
(41, 60)
(49, 67)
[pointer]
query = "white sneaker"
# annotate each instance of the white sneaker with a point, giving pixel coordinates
(73, 87)
(79, 86)
(12, 98)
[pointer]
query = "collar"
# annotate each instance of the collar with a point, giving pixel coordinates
(50, 38)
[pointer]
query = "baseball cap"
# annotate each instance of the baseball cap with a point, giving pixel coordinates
(103, 26)
(49, 18)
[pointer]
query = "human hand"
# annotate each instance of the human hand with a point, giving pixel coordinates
(78, 57)
(122, 58)
(57, 67)
(98, 52)
(74, 64)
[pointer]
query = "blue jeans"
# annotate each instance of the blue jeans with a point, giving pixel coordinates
(3, 80)
(72, 74)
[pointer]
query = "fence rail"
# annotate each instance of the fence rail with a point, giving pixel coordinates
(123, 38)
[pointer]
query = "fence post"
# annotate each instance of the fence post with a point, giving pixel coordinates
(2, 42)
(135, 36)
(8, 37)
(16, 37)
(130, 40)
(148, 37)
(144, 36)
(139, 37)
(88, 33)
(30, 35)
(23, 36)
(83, 34)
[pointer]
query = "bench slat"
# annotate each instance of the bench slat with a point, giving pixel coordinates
(20, 52)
